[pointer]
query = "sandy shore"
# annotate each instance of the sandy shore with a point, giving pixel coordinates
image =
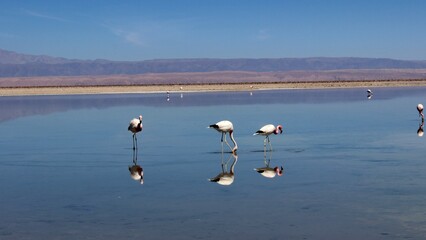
(27, 91)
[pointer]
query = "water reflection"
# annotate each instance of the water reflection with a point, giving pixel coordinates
(420, 130)
(136, 171)
(226, 177)
(16, 107)
(369, 94)
(267, 171)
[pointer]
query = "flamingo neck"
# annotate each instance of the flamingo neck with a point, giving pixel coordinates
(231, 135)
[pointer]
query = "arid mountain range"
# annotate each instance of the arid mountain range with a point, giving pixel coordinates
(39, 70)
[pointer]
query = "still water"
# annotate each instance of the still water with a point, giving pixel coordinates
(354, 168)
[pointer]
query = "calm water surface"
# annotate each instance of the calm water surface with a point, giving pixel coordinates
(354, 168)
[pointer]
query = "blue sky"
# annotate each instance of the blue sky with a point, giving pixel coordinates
(158, 29)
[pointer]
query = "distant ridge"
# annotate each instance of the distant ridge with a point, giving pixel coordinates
(14, 64)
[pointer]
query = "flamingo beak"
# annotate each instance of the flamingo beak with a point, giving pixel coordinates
(280, 171)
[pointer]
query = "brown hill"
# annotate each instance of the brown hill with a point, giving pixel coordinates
(22, 65)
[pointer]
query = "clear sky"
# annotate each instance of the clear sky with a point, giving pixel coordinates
(153, 29)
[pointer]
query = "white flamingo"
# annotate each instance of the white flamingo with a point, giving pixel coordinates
(135, 126)
(420, 109)
(224, 127)
(268, 130)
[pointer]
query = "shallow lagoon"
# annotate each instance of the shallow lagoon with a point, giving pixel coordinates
(354, 168)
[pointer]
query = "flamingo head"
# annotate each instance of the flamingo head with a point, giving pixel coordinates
(279, 129)
(140, 118)
(234, 150)
(279, 170)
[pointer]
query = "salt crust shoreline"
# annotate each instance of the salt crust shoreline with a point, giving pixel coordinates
(75, 90)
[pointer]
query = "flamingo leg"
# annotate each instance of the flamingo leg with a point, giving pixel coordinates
(133, 139)
(135, 156)
(221, 141)
(227, 143)
(270, 145)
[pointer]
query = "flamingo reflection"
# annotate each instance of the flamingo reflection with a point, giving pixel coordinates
(136, 171)
(267, 171)
(226, 177)
(420, 130)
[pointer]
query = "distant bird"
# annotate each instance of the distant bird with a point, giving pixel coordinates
(224, 127)
(270, 172)
(268, 130)
(226, 178)
(369, 94)
(420, 109)
(135, 126)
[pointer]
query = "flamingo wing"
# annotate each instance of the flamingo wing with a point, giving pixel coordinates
(223, 126)
(266, 130)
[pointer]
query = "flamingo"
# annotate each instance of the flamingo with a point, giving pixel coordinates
(420, 109)
(268, 130)
(135, 126)
(369, 91)
(224, 127)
